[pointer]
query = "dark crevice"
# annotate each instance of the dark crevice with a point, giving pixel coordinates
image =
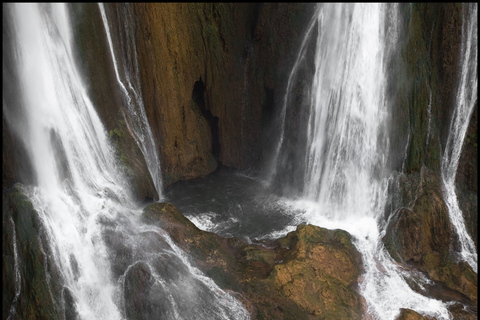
(198, 97)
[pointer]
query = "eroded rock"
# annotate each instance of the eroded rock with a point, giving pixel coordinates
(311, 273)
(420, 235)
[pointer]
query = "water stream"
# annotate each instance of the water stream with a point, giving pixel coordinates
(96, 236)
(465, 101)
(135, 116)
(345, 171)
(97, 239)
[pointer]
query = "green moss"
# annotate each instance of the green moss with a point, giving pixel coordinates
(472, 138)
(221, 278)
(117, 133)
(255, 254)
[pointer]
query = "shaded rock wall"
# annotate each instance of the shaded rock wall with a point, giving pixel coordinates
(210, 73)
(32, 289)
(95, 63)
(424, 82)
(425, 78)
(420, 235)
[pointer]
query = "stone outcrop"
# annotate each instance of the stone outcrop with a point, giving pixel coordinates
(425, 79)
(420, 236)
(311, 273)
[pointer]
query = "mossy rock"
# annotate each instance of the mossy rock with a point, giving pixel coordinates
(321, 274)
(39, 281)
(422, 236)
(311, 273)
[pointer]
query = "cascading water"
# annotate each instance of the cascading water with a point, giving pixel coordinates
(346, 176)
(135, 116)
(100, 246)
(466, 99)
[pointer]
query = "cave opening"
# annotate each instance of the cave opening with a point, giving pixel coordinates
(198, 97)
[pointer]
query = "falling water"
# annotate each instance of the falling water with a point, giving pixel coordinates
(93, 227)
(18, 276)
(300, 58)
(135, 117)
(466, 99)
(346, 174)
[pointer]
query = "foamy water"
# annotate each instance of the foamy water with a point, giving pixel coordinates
(83, 200)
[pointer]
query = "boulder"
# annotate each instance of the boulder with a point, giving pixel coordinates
(311, 273)
(420, 235)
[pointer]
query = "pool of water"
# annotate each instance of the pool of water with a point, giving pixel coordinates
(234, 204)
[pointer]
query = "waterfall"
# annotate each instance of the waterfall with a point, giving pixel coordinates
(135, 117)
(96, 237)
(345, 169)
(273, 167)
(465, 101)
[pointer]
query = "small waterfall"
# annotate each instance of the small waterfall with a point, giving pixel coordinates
(135, 117)
(18, 276)
(465, 100)
(71, 155)
(102, 249)
(273, 167)
(345, 169)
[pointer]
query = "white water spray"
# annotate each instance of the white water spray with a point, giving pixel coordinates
(82, 198)
(300, 58)
(62, 120)
(136, 117)
(18, 276)
(466, 99)
(346, 177)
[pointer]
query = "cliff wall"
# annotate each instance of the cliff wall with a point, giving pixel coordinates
(211, 73)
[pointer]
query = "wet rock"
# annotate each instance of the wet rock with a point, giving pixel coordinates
(211, 73)
(424, 80)
(32, 284)
(311, 273)
(320, 273)
(420, 235)
(466, 179)
(97, 68)
(459, 312)
(407, 314)
(133, 162)
(69, 305)
(139, 283)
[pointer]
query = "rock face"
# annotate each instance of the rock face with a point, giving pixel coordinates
(96, 65)
(311, 273)
(424, 81)
(419, 233)
(421, 236)
(466, 179)
(31, 288)
(210, 74)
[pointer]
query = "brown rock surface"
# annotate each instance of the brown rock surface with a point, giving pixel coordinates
(407, 314)
(309, 274)
(420, 235)
(204, 78)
